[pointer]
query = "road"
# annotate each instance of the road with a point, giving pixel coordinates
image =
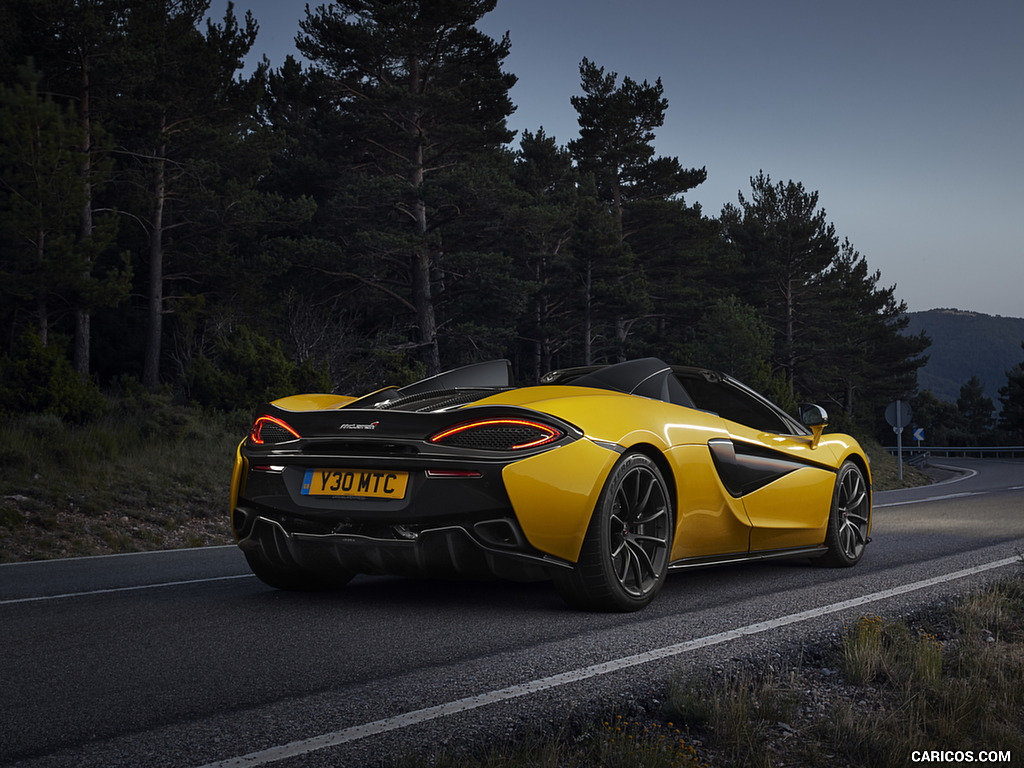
(184, 659)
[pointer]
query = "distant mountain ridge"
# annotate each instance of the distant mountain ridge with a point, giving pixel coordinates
(966, 344)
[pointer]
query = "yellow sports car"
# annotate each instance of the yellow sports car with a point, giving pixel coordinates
(602, 479)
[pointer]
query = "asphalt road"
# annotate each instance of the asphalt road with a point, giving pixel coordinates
(184, 659)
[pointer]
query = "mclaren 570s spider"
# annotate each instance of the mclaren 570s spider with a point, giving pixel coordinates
(601, 479)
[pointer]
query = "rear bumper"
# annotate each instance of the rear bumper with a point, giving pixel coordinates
(486, 549)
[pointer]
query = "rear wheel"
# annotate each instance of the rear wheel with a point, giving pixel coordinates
(849, 519)
(293, 578)
(626, 551)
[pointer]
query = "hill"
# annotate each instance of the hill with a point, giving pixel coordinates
(966, 344)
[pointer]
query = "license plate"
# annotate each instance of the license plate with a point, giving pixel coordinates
(366, 483)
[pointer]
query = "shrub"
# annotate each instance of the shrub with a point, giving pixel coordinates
(245, 370)
(40, 379)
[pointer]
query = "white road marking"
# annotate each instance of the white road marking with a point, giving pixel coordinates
(947, 497)
(112, 590)
(356, 732)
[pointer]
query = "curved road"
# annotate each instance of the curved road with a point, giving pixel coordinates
(184, 659)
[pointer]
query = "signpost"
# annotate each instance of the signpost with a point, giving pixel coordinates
(898, 415)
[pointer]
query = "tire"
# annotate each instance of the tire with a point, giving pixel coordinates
(627, 547)
(849, 520)
(293, 578)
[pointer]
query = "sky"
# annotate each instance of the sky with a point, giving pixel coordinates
(906, 116)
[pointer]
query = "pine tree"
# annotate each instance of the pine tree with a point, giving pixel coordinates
(977, 410)
(1011, 397)
(616, 142)
(542, 240)
(70, 42)
(41, 199)
(786, 244)
(180, 96)
(616, 148)
(860, 358)
(422, 94)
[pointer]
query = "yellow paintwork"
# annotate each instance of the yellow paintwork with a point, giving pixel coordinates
(314, 402)
(238, 472)
(555, 521)
(709, 521)
(554, 493)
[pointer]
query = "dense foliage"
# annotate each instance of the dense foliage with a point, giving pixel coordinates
(368, 217)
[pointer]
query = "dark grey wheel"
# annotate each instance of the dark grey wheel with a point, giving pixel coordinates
(293, 578)
(849, 520)
(627, 548)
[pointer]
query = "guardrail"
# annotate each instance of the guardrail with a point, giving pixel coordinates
(948, 451)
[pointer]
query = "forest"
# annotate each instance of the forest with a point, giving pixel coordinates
(171, 221)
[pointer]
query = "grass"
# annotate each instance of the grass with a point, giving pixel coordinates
(147, 475)
(617, 742)
(951, 678)
(885, 474)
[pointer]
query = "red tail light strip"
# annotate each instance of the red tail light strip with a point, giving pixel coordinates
(257, 428)
(548, 434)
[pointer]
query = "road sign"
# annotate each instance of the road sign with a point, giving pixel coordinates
(919, 434)
(898, 414)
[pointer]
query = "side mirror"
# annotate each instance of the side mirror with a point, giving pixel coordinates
(813, 416)
(816, 419)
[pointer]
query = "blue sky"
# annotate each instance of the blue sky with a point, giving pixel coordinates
(907, 117)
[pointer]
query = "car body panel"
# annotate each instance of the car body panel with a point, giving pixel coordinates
(554, 493)
(709, 520)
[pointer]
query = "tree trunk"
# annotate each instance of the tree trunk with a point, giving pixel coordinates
(42, 311)
(790, 346)
(155, 311)
(423, 301)
(422, 295)
(83, 320)
(587, 314)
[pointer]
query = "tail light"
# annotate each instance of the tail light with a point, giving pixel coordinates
(498, 435)
(268, 429)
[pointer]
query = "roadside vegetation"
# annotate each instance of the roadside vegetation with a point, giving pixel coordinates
(948, 678)
(146, 475)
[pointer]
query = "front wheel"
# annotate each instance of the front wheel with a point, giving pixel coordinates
(627, 547)
(849, 520)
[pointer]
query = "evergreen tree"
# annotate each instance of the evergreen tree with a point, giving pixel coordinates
(616, 147)
(41, 202)
(542, 240)
(1011, 397)
(976, 409)
(862, 360)
(422, 94)
(786, 244)
(45, 266)
(734, 339)
(941, 420)
(616, 142)
(180, 96)
(70, 41)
